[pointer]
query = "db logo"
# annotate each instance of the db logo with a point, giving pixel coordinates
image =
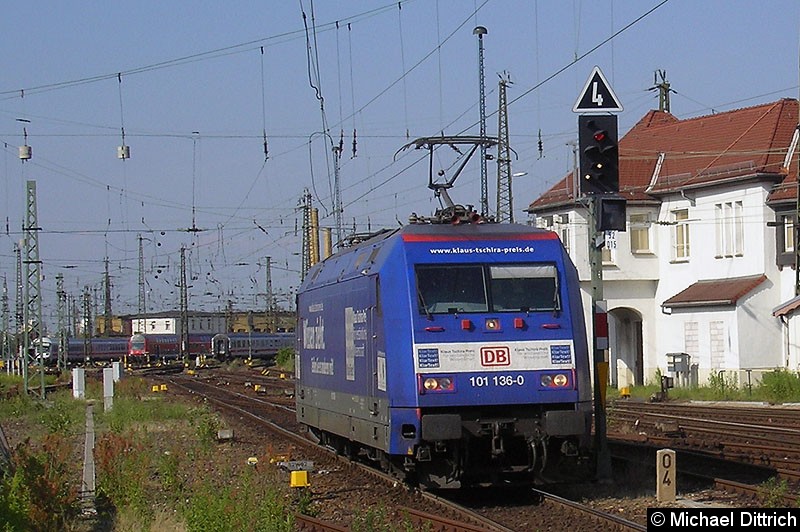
(495, 356)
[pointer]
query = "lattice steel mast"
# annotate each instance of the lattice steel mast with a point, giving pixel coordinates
(184, 308)
(107, 302)
(33, 300)
(305, 205)
(142, 292)
(63, 336)
(6, 346)
(480, 31)
(505, 204)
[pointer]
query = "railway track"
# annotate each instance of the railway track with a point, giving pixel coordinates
(270, 411)
(768, 437)
(738, 449)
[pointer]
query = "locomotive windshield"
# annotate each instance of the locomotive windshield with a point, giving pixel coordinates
(137, 342)
(450, 288)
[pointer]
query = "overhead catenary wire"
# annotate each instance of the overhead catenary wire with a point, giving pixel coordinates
(373, 174)
(352, 87)
(403, 65)
(264, 108)
(200, 56)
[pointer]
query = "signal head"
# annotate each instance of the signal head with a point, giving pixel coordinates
(599, 156)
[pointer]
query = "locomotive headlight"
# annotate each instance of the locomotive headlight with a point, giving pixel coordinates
(558, 380)
(492, 324)
(438, 384)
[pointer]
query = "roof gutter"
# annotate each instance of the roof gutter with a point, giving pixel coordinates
(656, 172)
(792, 146)
(694, 304)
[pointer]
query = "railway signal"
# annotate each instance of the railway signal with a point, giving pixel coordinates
(610, 212)
(599, 184)
(599, 154)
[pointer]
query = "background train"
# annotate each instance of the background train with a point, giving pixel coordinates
(454, 354)
(141, 348)
(96, 350)
(224, 346)
(250, 345)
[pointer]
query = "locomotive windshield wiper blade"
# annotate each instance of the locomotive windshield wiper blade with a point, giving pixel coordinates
(424, 305)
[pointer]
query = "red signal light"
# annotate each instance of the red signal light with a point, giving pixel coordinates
(600, 136)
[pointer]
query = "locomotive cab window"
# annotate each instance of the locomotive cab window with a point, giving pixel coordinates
(524, 288)
(451, 289)
(448, 289)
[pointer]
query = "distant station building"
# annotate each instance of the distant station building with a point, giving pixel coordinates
(169, 322)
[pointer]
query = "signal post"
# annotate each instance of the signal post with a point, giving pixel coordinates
(599, 190)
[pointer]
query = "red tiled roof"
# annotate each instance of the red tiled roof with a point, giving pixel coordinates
(787, 308)
(734, 145)
(714, 292)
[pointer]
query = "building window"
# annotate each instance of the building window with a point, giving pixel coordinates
(544, 222)
(558, 223)
(640, 233)
(785, 239)
(729, 229)
(788, 234)
(561, 227)
(680, 236)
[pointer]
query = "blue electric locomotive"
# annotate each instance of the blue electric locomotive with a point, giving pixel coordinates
(452, 353)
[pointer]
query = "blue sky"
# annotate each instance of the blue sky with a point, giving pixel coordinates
(196, 85)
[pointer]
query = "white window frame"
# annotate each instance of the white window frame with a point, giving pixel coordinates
(561, 227)
(788, 234)
(729, 224)
(640, 231)
(680, 235)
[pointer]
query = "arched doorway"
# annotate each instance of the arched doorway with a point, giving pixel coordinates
(626, 355)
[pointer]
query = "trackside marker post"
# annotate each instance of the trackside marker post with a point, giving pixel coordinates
(665, 475)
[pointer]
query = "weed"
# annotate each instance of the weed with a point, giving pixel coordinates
(779, 386)
(251, 505)
(773, 491)
(206, 426)
(303, 503)
(38, 495)
(379, 519)
(723, 386)
(169, 474)
(123, 467)
(63, 416)
(18, 406)
(285, 358)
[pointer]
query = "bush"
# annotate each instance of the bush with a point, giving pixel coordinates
(38, 494)
(779, 386)
(123, 464)
(251, 505)
(285, 358)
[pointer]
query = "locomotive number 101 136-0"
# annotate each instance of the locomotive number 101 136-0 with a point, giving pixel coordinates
(481, 381)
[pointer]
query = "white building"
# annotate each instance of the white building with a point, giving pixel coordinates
(706, 264)
(170, 323)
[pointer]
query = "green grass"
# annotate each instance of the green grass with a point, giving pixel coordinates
(775, 387)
